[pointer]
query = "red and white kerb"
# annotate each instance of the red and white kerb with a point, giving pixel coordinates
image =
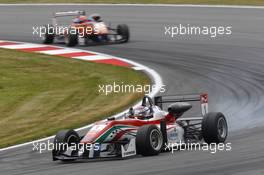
(65, 52)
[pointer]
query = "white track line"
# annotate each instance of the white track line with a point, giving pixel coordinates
(21, 46)
(139, 5)
(156, 80)
(137, 68)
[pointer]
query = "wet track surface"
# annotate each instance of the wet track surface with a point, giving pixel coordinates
(229, 68)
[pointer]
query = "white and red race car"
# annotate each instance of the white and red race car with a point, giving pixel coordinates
(144, 130)
(82, 30)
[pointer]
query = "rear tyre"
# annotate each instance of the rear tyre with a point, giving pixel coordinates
(71, 39)
(62, 140)
(149, 140)
(49, 34)
(214, 128)
(123, 30)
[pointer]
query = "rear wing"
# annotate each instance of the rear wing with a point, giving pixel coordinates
(203, 98)
(64, 14)
(68, 13)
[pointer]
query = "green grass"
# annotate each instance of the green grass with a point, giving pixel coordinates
(41, 94)
(220, 2)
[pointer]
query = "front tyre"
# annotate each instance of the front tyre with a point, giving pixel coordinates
(214, 128)
(71, 39)
(123, 31)
(49, 35)
(64, 139)
(149, 140)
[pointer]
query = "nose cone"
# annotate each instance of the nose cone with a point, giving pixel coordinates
(98, 129)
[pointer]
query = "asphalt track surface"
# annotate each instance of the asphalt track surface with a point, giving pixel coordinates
(229, 68)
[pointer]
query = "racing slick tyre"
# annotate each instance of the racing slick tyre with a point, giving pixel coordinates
(123, 30)
(49, 34)
(214, 128)
(62, 140)
(71, 39)
(149, 140)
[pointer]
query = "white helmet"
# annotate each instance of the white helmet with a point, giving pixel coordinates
(140, 112)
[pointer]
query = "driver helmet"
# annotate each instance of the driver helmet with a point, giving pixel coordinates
(140, 111)
(95, 17)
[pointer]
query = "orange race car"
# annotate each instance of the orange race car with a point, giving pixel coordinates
(83, 30)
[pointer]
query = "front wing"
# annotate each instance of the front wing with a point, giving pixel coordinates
(99, 151)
